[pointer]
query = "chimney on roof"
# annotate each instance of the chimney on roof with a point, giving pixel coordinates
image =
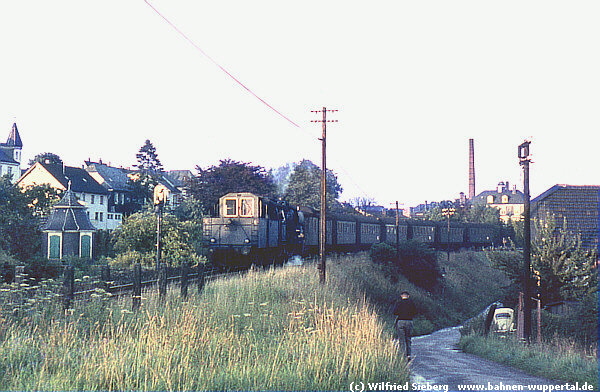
(471, 169)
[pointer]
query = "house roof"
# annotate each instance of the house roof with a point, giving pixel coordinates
(114, 178)
(579, 205)
(68, 215)
(514, 197)
(14, 138)
(81, 181)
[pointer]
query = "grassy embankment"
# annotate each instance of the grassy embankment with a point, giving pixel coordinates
(274, 330)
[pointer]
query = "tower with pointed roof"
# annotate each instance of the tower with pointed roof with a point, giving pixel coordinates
(10, 154)
(68, 231)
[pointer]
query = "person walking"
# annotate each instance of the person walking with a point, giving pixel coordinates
(405, 311)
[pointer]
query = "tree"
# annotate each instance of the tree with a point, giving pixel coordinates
(46, 157)
(150, 170)
(566, 271)
(148, 161)
(305, 184)
(135, 240)
(19, 227)
(230, 176)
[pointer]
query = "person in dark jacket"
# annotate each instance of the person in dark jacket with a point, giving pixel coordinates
(405, 311)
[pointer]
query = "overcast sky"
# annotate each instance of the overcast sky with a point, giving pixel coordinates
(412, 81)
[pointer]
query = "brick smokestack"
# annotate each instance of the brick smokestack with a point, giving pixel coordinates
(471, 170)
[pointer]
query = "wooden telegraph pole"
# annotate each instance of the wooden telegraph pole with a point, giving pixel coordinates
(322, 221)
(524, 160)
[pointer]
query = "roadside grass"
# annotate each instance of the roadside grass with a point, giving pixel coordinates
(265, 330)
(560, 359)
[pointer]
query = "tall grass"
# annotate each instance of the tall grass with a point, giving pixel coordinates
(270, 330)
(560, 359)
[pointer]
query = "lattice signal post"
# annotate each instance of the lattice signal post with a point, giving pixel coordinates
(322, 215)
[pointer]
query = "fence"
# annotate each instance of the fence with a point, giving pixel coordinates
(68, 291)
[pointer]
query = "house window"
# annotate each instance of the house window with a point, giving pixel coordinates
(54, 247)
(85, 249)
(101, 199)
(504, 198)
(92, 199)
(109, 216)
(490, 199)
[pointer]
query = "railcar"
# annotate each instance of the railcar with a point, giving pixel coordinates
(250, 229)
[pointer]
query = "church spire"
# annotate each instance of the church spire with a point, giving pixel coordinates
(14, 138)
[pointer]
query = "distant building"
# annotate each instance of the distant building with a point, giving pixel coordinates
(578, 204)
(420, 210)
(510, 202)
(85, 188)
(10, 155)
(121, 198)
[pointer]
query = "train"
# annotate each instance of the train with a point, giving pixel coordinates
(248, 229)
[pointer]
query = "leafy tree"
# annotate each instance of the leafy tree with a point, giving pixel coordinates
(137, 237)
(230, 176)
(472, 214)
(46, 157)
(566, 270)
(305, 184)
(19, 228)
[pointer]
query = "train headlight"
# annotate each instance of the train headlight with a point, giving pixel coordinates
(246, 241)
(213, 240)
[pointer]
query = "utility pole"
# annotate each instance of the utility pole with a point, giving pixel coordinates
(322, 216)
(524, 160)
(397, 230)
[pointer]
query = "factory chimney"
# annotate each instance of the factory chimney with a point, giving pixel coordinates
(471, 170)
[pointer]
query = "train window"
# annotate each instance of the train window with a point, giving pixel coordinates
(247, 207)
(230, 207)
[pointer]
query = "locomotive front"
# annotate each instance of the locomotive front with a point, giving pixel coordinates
(250, 229)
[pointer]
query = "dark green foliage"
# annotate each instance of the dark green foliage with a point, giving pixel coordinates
(580, 324)
(230, 176)
(471, 214)
(19, 227)
(135, 240)
(303, 188)
(148, 162)
(415, 260)
(46, 157)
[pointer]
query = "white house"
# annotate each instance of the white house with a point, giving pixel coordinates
(10, 155)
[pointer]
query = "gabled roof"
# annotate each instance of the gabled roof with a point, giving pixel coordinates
(68, 215)
(558, 187)
(80, 180)
(113, 178)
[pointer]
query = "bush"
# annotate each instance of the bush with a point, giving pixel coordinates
(417, 262)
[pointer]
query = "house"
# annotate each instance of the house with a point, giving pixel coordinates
(121, 197)
(68, 231)
(510, 202)
(579, 205)
(10, 155)
(85, 188)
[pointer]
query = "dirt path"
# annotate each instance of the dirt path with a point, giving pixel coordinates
(438, 362)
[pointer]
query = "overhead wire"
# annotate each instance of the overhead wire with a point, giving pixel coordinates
(188, 39)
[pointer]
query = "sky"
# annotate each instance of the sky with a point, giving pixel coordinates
(413, 81)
